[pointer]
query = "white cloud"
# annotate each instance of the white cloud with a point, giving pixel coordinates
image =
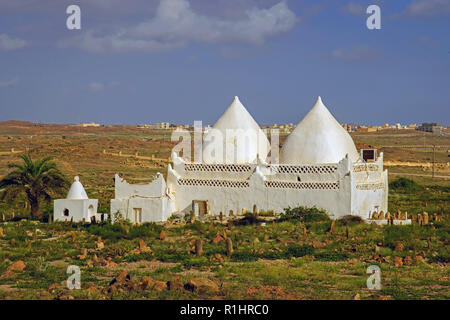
(356, 53)
(7, 43)
(96, 86)
(427, 8)
(9, 83)
(175, 25)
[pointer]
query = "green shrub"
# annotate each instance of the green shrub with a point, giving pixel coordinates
(404, 184)
(248, 219)
(349, 219)
(116, 231)
(331, 256)
(443, 256)
(244, 256)
(304, 214)
(412, 237)
(297, 251)
(138, 257)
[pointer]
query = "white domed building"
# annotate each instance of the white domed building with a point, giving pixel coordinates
(77, 206)
(319, 166)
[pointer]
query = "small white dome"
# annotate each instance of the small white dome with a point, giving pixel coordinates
(246, 143)
(318, 138)
(76, 191)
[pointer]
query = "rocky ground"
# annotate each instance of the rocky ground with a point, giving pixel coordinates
(255, 257)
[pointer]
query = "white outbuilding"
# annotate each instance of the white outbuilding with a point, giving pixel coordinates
(77, 206)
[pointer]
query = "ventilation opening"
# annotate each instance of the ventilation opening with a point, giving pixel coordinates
(299, 179)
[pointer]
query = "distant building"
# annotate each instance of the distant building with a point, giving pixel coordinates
(431, 127)
(90, 124)
(367, 129)
(163, 125)
(145, 126)
(347, 127)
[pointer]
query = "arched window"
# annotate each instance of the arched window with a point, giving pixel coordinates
(66, 212)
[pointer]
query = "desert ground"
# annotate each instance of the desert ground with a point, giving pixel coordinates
(300, 255)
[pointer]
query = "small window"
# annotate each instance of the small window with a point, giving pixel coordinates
(66, 212)
(369, 154)
(299, 179)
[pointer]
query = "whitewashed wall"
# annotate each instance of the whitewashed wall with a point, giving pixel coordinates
(78, 209)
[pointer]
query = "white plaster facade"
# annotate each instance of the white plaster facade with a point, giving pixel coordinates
(142, 202)
(77, 206)
(319, 167)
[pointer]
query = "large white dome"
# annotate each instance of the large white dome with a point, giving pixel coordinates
(76, 191)
(238, 135)
(318, 138)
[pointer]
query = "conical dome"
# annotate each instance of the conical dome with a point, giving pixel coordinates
(238, 135)
(76, 191)
(318, 138)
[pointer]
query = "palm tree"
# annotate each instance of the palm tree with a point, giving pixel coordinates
(36, 179)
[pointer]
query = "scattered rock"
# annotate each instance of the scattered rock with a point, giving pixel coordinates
(83, 255)
(229, 243)
(174, 285)
(121, 283)
(53, 288)
(398, 261)
(110, 264)
(143, 247)
(17, 266)
(92, 290)
(218, 238)
(148, 283)
(198, 247)
(318, 244)
(399, 246)
(202, 285)
(122, 277)
(100, 244)
(407, 261)
(357, 297)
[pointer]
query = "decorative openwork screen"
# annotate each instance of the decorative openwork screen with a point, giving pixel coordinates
(213, 183)
(316, 169)
(200, 167)
(303, 185)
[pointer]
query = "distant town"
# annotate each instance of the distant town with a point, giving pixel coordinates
(432, 127)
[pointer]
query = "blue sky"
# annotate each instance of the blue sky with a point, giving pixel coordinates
(144, 61)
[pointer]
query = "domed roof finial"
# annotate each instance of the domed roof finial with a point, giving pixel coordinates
(76, 191)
